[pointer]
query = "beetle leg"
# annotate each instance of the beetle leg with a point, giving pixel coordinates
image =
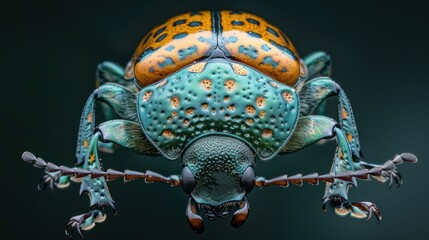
(121, 99)
(311, 129)
(109, 72)
(316, 91)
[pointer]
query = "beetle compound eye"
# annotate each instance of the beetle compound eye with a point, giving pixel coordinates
(248, 179)
(188, 180)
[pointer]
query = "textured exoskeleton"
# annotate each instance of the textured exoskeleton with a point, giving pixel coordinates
(217, 90)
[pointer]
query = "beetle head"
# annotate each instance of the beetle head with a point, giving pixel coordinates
(218, 173)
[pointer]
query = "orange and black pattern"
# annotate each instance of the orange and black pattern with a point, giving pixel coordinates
(190, 37)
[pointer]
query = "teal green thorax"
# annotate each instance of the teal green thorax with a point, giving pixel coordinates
(218, 96)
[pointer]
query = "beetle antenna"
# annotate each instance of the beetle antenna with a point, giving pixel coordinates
(110, 174)
(387, 169)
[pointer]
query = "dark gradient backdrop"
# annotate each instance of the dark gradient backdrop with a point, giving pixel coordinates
(48, 55)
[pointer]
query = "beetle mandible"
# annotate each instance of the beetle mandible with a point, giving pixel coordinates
(217, 90)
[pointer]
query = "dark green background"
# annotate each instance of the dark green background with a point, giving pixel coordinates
(48, 55)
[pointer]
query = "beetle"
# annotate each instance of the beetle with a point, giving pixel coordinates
(217, 90)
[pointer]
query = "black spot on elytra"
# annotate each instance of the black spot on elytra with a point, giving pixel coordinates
(272, 31)
(179, 22)
(237, 23)
(285, 38)
(147, 38)
(159, 31)
(195, 24)
(235, 12)
(160, 38)
(180, 35)
(253, 21)
(255, 35)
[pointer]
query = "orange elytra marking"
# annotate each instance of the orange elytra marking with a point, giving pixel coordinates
(162, 83)
(287, 96)
(250, 109)
(344, 113)
(262, 114)
(148, 70)
(249, 121)
(174, 114)
(206, 84)
(260, 101)
(349, 137)
(197, 68)
(190, 111)
(168, 134)
(267, 133)
(174, 102)
(230, 85)
(254, 34)
(91, 158)
(226, 98)
(146, 96)
(231, 108)
(89, 118)
(239, 69)
(85, 143)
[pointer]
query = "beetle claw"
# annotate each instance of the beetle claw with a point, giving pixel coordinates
(84, 222)
(48, 180)
(369, 209)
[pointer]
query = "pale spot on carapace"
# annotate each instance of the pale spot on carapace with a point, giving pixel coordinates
(174, 114)
(274, 84)
(89, 118)
(162, 83)
(287, 96)
(344, 113)
(174, 102)
(260, 101)
(146, 96)
(206, 84)
(231, 108)
(186, 122)
(226, 99)
(262, 114)
(249, 121)
(205, 106)
(197, 68)
(250, 109)
(239, 69)
(168, 134)
(267, 133)
(190, 111)
(169, 119)
(230, 85)
(213, 110)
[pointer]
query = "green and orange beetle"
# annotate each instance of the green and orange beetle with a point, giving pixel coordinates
(216, 90)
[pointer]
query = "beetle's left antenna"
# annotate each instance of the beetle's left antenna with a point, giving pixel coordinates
(110, 174)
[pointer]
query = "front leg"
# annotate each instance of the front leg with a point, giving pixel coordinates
(122, 132)
(311, 129)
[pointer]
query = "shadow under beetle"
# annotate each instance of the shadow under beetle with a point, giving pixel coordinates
(217, 90)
